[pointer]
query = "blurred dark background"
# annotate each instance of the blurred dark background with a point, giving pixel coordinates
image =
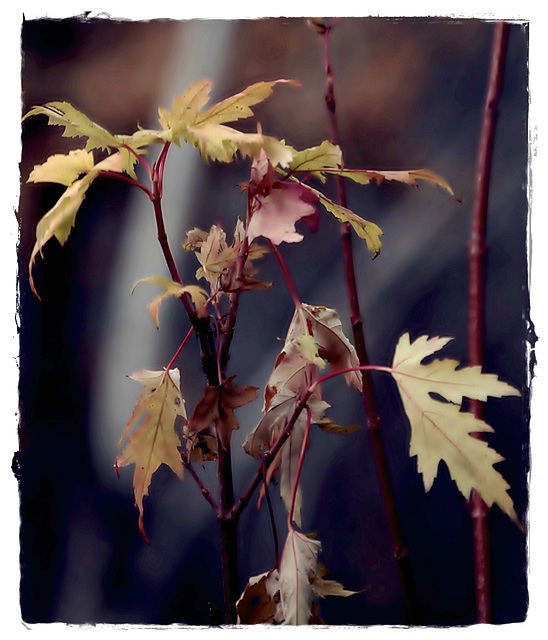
(409, 94)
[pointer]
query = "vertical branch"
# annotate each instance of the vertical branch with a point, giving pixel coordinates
(373, 419)
(209, 351)
(476, 300)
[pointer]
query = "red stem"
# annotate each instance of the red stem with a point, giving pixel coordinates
(380, 458)
(290, 283)
(291, 513)
(476, 301)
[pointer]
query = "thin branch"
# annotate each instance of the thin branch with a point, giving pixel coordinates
(373, 419)
(123, 178)
(290, 283)
(476, 300)
(272, 518)
(203, 489)
(290, 515)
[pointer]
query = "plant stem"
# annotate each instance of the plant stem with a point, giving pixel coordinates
(229, 537)
(209, 350)
(476, 301)
(401, 556)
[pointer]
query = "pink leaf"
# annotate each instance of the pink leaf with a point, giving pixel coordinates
(276, 213)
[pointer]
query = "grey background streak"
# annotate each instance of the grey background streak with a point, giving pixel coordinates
(409, 94)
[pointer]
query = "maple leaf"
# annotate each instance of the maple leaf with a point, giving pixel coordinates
(409, 177)
(333, 346)
(260, 600)
(237, 106)
(59, 220)
(298, 564)
(220, 143)
(316, 160)
(63, 168)
(275, 215)
(217, 408)
(439, 429)
(302, 579)
(155, 440)
(218, 259)
(365, 229)
(205, 129)
(215, 256)
(314, 338)
(76, 125)
(198, 295)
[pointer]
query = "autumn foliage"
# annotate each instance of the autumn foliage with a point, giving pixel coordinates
(276, 197)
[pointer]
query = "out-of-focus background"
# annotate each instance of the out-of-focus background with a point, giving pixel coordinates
(409, 94)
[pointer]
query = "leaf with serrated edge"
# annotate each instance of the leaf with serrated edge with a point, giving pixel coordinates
(155, 440)
(316, 159)
(298, 563)
(365, 229)
(198, 295)
(290, 379)
(333, 346)
(276, 214)
(63, 169)
(439, 429)
(260, 600)
(217, 142)
(59, 220)
(76, 125)
(205, 129)
(217, 408)
(237, 106)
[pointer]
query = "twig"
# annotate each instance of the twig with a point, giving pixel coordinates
(476, 300)
(401, 556)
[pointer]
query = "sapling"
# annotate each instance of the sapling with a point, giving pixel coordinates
(284, 187)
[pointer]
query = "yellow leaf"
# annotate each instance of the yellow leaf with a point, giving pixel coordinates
(76, 124)
(63, 169)
(155, 441)
(198, 295)
(316, 159)
(365, 229)
(237, 106)
(59, 220)
(184, 109)
(205, 129)
(220, 143)
(439, 429)
(409, 177)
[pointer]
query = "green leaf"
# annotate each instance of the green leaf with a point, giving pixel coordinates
(439, 429)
